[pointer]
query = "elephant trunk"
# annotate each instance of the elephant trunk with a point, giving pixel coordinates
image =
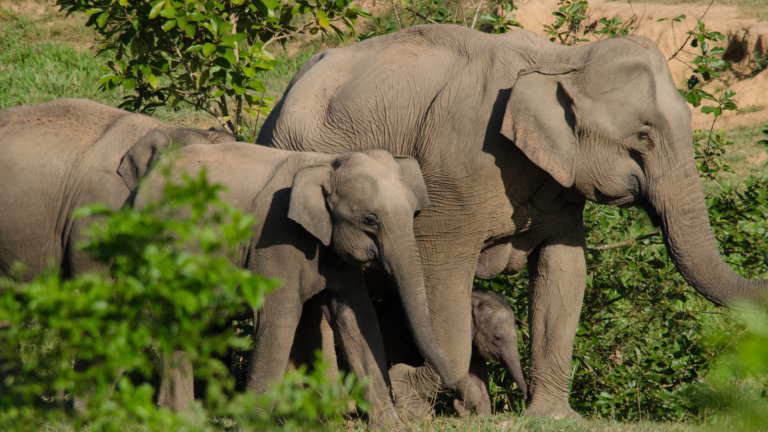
(402, 262)
(512, 363)
(678, 201)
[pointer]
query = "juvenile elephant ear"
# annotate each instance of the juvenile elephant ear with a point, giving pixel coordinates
(307, 206)
(414, 179)
(540, 118)
(139, 158)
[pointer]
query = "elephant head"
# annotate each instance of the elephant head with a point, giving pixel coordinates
(362, 205)
(494, 334)
(606, 122)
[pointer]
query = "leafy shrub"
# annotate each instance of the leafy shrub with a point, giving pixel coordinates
(204, 53)
(168, 283)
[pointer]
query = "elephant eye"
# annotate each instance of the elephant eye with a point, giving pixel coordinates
(497, 338)
(643, 135)
(371, 220)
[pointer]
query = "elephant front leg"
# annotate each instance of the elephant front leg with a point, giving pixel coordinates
(177, 383)
(557, 281)
(353, 318)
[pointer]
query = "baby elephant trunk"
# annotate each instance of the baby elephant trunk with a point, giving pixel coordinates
(512, 363)
(403, 263)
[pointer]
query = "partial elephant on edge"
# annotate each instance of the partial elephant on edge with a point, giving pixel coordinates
(513, 134)
(322, 219)
(61, 155)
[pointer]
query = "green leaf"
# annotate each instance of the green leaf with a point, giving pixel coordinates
(235, 37)
(208, 49)
(152, 80)
(106, 78)
(129, 83)
(202, 79)
(190, 30)
(101, 20)
(322, 19)
(230, 56)
(156, 9)
(169, 25)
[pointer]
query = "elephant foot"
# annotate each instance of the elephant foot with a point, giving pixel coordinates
(385, 419)
(550, 409)
(469, 397)
(411, 402)
(461, 408)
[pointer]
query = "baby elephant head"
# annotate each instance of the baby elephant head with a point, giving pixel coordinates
(495, 334)
(362, 205)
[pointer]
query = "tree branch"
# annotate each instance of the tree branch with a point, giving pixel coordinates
(690, 34)
(394, 7)
(417, 14)
(623, 243)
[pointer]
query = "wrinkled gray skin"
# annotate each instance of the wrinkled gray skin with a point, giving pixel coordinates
(494, 338)
(513, 135)
(322, 219)
(64, 154)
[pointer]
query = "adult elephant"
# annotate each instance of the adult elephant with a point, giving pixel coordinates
(64, 154)
(514, 134)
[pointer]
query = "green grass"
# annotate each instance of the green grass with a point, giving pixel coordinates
(48, 56)
(514, 423)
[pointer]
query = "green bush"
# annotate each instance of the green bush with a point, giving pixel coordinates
(168, 283)
(203, 53)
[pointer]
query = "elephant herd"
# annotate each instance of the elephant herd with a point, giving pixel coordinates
(405, 164)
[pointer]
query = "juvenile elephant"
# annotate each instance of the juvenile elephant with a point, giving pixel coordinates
(513, 135)
(64, 154)
(494, 338)
(322, 219)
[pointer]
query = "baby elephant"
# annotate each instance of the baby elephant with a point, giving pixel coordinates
(322, 219)
(494, 338)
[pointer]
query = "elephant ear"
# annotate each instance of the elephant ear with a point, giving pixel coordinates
(137, 161)
(308, 206)
(540, 118)
(415, 181)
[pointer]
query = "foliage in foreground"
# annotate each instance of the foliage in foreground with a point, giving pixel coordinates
(169, 282)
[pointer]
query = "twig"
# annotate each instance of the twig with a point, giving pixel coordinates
(477, 12)
(463, 16)
(399, 24)
(417, 14)
(623, 243)
(285, 36)
(690, 34)
(522, 323)
(640, 21)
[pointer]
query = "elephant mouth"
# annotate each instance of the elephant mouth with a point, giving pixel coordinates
(625, 201)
